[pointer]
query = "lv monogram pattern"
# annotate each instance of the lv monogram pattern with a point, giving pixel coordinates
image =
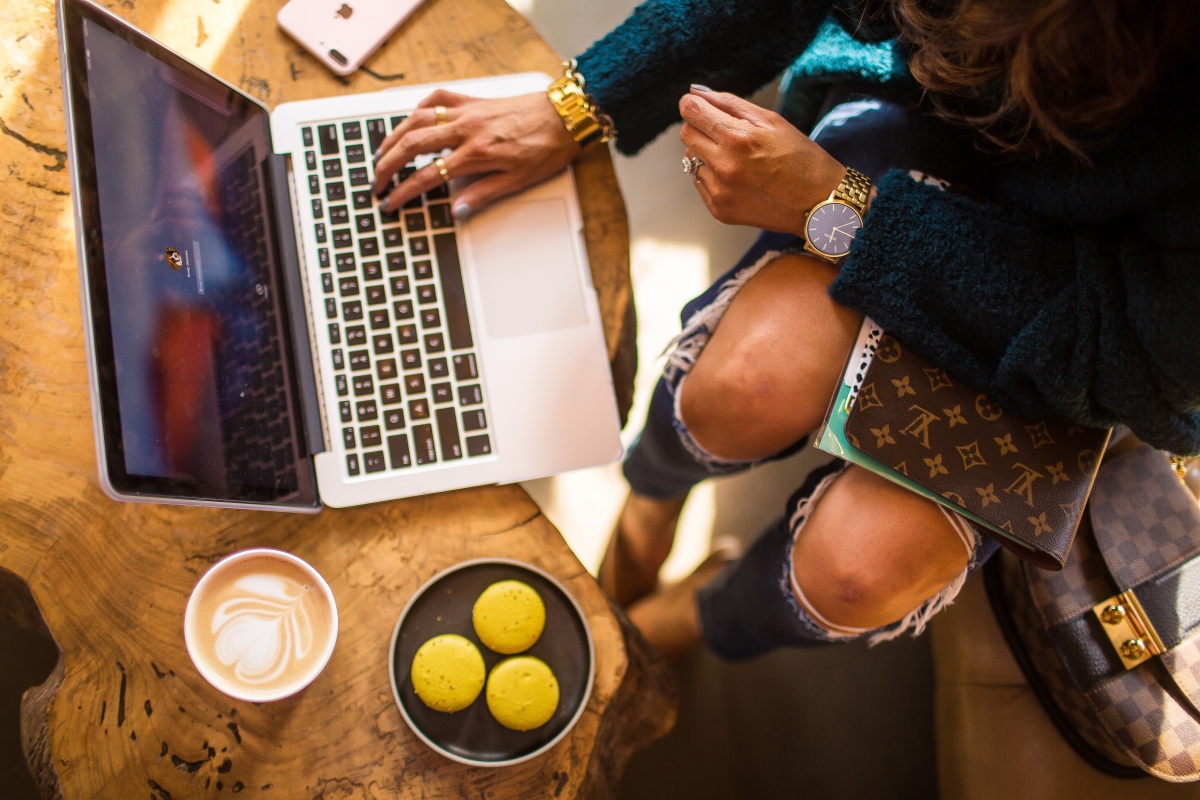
(1028, 479)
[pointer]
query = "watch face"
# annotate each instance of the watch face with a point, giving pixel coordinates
(832, 227)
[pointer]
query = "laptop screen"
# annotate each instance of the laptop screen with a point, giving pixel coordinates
(189, 319)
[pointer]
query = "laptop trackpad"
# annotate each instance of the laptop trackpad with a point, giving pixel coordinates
(528, 277)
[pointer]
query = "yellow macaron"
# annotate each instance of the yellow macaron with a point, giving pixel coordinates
(448, 672)
(522, 693)
(509, 616)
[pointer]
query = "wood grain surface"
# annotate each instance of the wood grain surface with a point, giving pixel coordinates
(125, 714)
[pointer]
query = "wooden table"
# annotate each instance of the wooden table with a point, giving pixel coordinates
(125, 714)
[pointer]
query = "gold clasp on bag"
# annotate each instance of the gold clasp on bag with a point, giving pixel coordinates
(1128, 628)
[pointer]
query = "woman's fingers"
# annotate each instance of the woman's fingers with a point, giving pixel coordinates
(709, 120)
(698, 144)
(415, 142)
(732, 105)
(421, 181)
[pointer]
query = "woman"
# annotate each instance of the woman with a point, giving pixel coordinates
(1065, 287)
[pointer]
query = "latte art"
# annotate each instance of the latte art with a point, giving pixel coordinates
(259, 634)
(260, 625)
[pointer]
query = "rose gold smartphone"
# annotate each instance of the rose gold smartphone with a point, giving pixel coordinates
(343, 33)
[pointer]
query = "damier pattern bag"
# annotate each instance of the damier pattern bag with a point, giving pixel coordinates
(1111, 643)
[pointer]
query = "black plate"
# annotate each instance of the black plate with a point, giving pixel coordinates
(443, 605)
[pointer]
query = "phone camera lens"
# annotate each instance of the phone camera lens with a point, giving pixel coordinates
(338, 57)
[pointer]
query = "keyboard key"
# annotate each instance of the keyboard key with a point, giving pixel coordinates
(442, 393)
(423, 270)
(470, 395)
(415, 222)
(356, 335)
(454, 296)
(376, 133)
(397, 120)
(345, 411)
(434, 343)
(414, 202)
(407, 334)
(376, 295)
(438, 368)
(341, 238)
(345, 262)
(439, 215)
(339, 215)
(355, 154)
(320, 232)
(373, 461)
(352, 310)
(330, 308)
(410, 359)
(364, 223)
(341, 383)
(348, 286)
(393, 419)
(314, 184)
(352, 463)
(438, 193)
(400, 285)
(329, 140)
(363, 385)
(414, 384)
(386, 367)
(323, 257)
(306, 135)
(368, 247)
(423, 441)
(418, 246)
(395, 262)
(447, 423)
(351, 130)
(370, 436)
(464, 367)
(339, 361)
(403, 309)
(358, 176)
(327, 282)
(398, 451)
(382, 344)
(362, 200)
(310, 160)
(318, 208)
(379, 319)
(367, 410)
(335, 333)
(359, 360)
(478, 445)
(332, 168)
(372, 271)
(430, 318)
(393, 237)
(426, 294)
(389, 217)
(474, 420)
(333, 191)
(348, 440)
(390, 393)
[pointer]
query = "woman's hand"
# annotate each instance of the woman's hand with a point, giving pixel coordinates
(514, 141)
(758, 170)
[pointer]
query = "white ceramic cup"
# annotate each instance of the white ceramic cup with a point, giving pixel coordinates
(240, 630)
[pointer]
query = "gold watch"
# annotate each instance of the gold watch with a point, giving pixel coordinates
(831, 226)
(580, 115)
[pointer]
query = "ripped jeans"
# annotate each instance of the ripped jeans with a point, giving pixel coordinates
(752, 607)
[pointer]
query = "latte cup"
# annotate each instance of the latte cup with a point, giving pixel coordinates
(260, 625)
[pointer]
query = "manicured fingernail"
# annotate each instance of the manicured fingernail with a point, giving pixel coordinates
(385, 206)
(462, 211)
(378, 152)
(700, 87)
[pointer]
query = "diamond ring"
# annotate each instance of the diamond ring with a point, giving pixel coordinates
(691, 166)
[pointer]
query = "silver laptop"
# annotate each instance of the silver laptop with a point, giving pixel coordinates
(260, 334)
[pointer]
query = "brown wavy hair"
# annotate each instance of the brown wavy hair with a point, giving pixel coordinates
(1032, 74)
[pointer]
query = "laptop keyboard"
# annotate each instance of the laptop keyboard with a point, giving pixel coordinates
(396, 334)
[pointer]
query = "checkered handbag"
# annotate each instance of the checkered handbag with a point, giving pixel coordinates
(1111, 643)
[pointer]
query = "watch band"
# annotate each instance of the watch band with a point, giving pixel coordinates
(582, 118)
(853, 190)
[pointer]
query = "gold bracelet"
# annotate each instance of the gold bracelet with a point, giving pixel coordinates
(580, 115)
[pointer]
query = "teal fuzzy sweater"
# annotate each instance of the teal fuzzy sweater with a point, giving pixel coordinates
(1074, 292)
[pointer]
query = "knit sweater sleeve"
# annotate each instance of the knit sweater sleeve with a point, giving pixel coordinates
(1091, 323)
(638, 72)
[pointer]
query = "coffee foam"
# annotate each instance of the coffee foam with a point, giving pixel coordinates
(262, 626)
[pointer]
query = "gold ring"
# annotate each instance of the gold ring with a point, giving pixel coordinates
(441, 166)
(439, 113)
